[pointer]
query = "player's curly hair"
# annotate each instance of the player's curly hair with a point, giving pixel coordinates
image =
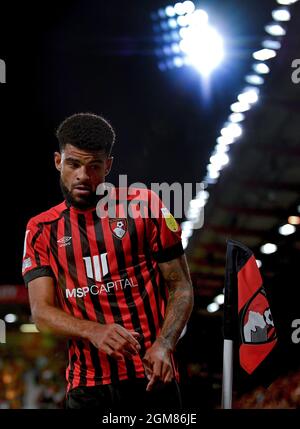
(86, 131)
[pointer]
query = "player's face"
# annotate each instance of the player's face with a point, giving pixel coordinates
(80, 174)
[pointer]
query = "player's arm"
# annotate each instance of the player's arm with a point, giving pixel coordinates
(180, 301)
(112, 339)
(157, 359)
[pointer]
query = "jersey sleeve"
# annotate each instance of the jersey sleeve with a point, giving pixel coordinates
(165, 232)
(35, 254)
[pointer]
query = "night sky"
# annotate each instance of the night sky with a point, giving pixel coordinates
(99, 57)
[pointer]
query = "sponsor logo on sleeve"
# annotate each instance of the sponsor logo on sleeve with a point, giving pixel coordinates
(170, 220)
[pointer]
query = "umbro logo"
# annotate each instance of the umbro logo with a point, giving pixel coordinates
(64, 241)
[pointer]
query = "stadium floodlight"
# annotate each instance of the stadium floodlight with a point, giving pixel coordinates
(170, 12)
(271, 44)
(164, 25)
(275, 29)
(199, 17)
(187, 226)
(268, 248)
(264, 54)
(213, 307)
(286, 2)
(179, 8)
(236, 117)
(183, 32)
(248, 96)
(198, 44)
(221, 148)
(178, 62)
(225, 140)
(232, 130)
(183, 20)
(186, 234)
(219, 299)
(219, 160)
(294, 220)
(161, 13)
(167, 50)
(189, 6)
(213, 174)
(240, 107)
(175, 48)
(10, 318)
(254, 79)
(261, 68)
(172, 23)
(197, 203)
(203, 194)
(185, 243)
(213, 168)
(281, 14)
(193, 212)
(202, 45)
(287, 229)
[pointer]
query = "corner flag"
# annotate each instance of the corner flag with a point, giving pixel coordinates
(257, 334)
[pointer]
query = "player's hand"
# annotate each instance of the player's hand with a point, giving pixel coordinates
(158, 365)
(115, 340)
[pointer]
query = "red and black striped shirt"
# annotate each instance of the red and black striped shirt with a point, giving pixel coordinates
(105, 270)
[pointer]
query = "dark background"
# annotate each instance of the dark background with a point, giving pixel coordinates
(97, 56)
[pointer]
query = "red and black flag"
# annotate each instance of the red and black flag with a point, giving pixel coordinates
(247, 307)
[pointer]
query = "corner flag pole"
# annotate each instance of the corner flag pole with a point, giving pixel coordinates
(228, 327)
(227, 374)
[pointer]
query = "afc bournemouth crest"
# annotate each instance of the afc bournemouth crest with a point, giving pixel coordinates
(257, 323)
(118, 227)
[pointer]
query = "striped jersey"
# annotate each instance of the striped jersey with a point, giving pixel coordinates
(105, 269)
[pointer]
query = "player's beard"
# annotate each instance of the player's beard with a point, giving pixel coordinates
(85, 202)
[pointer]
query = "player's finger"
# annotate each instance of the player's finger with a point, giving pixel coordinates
(128, 337)
(120, 345)
(166, 369)
(135, 334)
(147, 368)
(156, 375)
(111, 352)
(154, 378)
(168, 376)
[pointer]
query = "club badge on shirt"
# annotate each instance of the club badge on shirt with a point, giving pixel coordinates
(170, 220)
(118, 227)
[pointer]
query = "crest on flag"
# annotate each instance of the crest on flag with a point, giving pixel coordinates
(118, 227)
(246, 300)
(257, 322)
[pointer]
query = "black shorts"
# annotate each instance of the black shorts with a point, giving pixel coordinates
(129, 394)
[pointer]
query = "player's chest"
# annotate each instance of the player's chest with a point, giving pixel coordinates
(100, 245)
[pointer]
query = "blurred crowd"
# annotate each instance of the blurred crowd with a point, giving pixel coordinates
(283, 393)
(32, 376)
(32, 373)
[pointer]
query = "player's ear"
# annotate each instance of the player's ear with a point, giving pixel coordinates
(57, 160)
(109, 161)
